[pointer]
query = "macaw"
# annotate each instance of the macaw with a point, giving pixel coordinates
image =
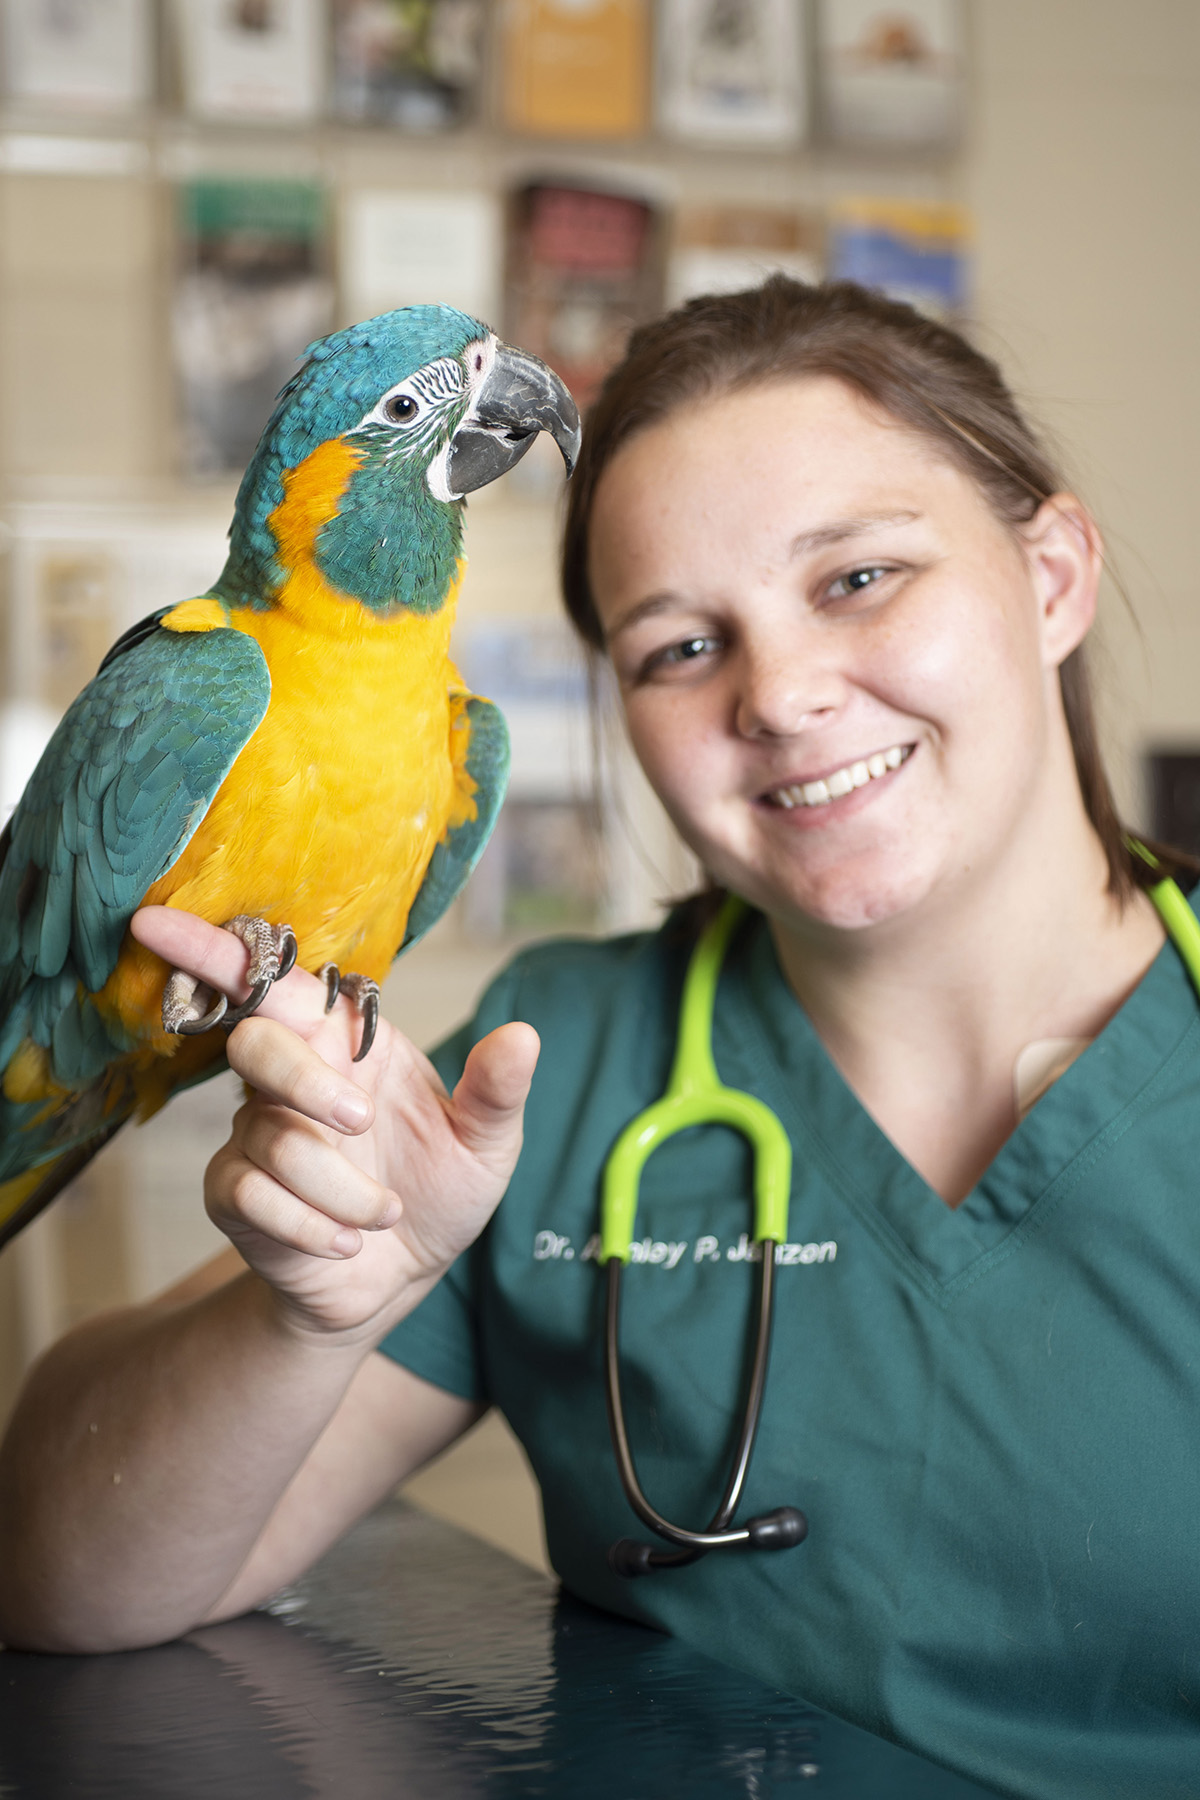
(291, 754)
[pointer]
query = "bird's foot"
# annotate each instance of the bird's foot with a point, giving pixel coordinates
(190, 1006)
(362, 992)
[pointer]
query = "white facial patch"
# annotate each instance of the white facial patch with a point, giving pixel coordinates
(478, 358)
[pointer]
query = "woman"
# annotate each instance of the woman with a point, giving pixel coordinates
(844, 593)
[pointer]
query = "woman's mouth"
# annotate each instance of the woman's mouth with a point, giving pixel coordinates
(841, 781)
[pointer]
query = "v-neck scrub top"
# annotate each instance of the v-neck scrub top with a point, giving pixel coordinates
(990, 1415)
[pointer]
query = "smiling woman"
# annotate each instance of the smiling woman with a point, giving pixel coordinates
(845, 596)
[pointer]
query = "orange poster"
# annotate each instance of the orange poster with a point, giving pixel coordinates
(576, 68)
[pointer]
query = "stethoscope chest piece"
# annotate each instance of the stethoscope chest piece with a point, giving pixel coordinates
(695, 1095)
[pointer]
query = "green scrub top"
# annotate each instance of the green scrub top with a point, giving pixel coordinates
(990, 1415)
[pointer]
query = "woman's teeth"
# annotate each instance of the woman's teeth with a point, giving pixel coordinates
(842, 781)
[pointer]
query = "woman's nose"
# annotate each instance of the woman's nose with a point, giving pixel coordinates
(781, 690)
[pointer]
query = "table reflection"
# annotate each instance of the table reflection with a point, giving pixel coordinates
(415, 1661)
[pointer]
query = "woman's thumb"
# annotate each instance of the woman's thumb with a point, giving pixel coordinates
(489, 1100)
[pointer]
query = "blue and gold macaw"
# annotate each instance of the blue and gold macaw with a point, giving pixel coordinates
(292, 754)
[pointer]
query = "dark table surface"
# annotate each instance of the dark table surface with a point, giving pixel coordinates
(414, 1662)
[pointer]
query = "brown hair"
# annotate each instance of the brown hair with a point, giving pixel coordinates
(922, 373)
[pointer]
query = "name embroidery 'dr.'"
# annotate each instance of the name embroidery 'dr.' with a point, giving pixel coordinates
(550, 1246)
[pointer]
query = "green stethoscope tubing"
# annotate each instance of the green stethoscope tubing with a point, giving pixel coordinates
(696, 1095)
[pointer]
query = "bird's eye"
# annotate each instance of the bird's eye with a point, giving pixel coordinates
(478, 359)
(401, 409)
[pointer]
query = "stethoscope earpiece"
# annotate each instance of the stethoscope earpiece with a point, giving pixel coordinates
(782, 1529)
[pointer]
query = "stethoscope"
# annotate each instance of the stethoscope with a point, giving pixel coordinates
(696, 1095)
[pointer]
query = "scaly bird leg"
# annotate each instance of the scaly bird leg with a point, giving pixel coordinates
(272, 956)
(183, 1012)
(362, 992)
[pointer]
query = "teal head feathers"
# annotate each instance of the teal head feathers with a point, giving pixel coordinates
(435, 406)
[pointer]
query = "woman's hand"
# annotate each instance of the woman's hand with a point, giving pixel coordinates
(349, 1188)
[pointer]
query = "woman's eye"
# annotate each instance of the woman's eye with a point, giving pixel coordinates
(854, 581)
(687, 650)
(400, 409)
(677, 656)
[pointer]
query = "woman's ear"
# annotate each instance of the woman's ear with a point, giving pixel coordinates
(1065, 554)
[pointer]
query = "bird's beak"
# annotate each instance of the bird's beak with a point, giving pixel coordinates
(519, 397)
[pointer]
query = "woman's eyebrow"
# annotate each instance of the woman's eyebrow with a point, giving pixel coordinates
(644, 609)
(841, 529)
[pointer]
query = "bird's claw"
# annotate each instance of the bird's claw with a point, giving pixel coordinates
(362, 992)
(272, 956)
(182, 1012)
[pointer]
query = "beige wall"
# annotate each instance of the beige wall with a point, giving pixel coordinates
(1082, 171)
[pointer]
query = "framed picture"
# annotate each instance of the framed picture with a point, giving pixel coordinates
(732, 71)
(401, 247)
(914, 250)
(94, 55)
(583, 267)
(575, 68)
(252, 59)
(411, 63)
(723, 249)
(251, 293)
(889, 75)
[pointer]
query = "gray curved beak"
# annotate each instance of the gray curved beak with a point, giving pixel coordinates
(519, 398)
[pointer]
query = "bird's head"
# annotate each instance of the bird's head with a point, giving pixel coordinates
(373, 446)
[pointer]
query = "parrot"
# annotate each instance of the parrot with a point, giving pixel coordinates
(291, 755)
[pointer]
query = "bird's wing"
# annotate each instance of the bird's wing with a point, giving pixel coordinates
(123, 784)
(487, 763)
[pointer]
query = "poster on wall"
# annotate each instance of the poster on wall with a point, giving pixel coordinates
(722, 249)
(415, 64)
(890, 75)
(252, 59)
(732, 71)
(406, 247)
(575, 68)
(583, 268)
(913, 250)
(91, 54)
(251, 293)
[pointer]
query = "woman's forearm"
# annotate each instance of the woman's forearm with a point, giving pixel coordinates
(144, 1460)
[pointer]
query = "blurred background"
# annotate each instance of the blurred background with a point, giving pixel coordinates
(191, 192)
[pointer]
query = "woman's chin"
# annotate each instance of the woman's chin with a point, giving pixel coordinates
(852, 896)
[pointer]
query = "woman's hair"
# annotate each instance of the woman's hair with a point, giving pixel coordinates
(924, 375)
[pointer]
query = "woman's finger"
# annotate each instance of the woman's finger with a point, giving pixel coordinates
(297, 1155)
(246, 1203)
(217, 957)
(281, 1066)
(489, 1101)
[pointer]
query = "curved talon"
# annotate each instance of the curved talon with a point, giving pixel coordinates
(370, 1013)
(331, 976)
(362, 992)
(288, 951)
(251, 1004)
(214, 1016)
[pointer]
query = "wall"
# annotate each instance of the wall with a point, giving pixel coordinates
(1082, 169)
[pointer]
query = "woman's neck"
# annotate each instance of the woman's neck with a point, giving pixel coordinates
(926, 1015)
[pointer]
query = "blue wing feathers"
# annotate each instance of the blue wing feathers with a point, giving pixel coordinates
(125, 780)
(488, 758)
